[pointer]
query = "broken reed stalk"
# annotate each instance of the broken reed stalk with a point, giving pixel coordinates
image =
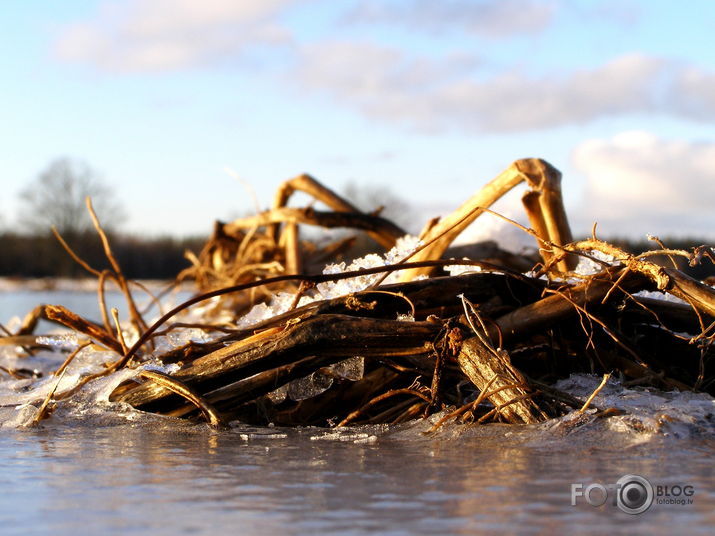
(535, 316)
(101, 280)
(485, 366)
(386, 234)
(64, 316)
(175, 386)
(116, 274)
(540, 176)
(374, 225)
(290, 242)
(700, 296)
(545, 208)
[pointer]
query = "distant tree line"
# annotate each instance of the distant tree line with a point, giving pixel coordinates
(140, 258)
(163, 257)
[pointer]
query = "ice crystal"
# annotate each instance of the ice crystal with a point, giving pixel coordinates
(282, 301)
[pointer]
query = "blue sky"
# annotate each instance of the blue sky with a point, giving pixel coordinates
(431, 99)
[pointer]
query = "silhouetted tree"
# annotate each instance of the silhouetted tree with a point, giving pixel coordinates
(372, 197)
(57, 197)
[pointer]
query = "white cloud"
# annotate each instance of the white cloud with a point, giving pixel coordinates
(623, 12)
(382, 82)
(694, 94)
(515, 101)
(157, 35)
(448, 93)
(640, 183)
(487, 18)
(394, 84)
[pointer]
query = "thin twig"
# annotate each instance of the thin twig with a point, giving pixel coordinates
(586, 404)
(135, 315)
(120, 333)
(72, 254)
(394, 392)
(42, 410)
(181, 389)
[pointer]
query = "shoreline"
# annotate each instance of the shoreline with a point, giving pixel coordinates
(65, 284)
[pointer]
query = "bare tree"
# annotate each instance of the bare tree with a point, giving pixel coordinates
(57, 197)
(372, 197)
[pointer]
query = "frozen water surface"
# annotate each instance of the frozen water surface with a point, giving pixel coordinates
(138, 474)
(101, 467)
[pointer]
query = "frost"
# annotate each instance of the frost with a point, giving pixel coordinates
(282, 301)
(657, 295)
(459, 269)
(67, 340)
(404, 247)
(587, 266)
(345, 436)
(160, 367)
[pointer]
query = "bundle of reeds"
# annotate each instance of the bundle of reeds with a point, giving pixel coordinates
(484, 346)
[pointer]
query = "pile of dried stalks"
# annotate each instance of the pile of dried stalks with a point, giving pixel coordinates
(485, 346)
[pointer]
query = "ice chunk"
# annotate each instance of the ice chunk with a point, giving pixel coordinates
(262, 435)
(100, 389)
(310, 386)
(157, 366)
(180, 337)
(346, 436)
(318, 382)
(657, 295)
(351, 369)
(66, 340)
(279, 395)
(18, 417)
(366, 440)
(647, 411)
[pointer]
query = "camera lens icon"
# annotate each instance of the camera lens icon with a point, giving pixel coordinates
(634, 494)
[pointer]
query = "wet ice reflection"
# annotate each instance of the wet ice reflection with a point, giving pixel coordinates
(165, 477)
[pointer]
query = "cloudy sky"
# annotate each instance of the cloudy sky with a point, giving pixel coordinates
(430, 98)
